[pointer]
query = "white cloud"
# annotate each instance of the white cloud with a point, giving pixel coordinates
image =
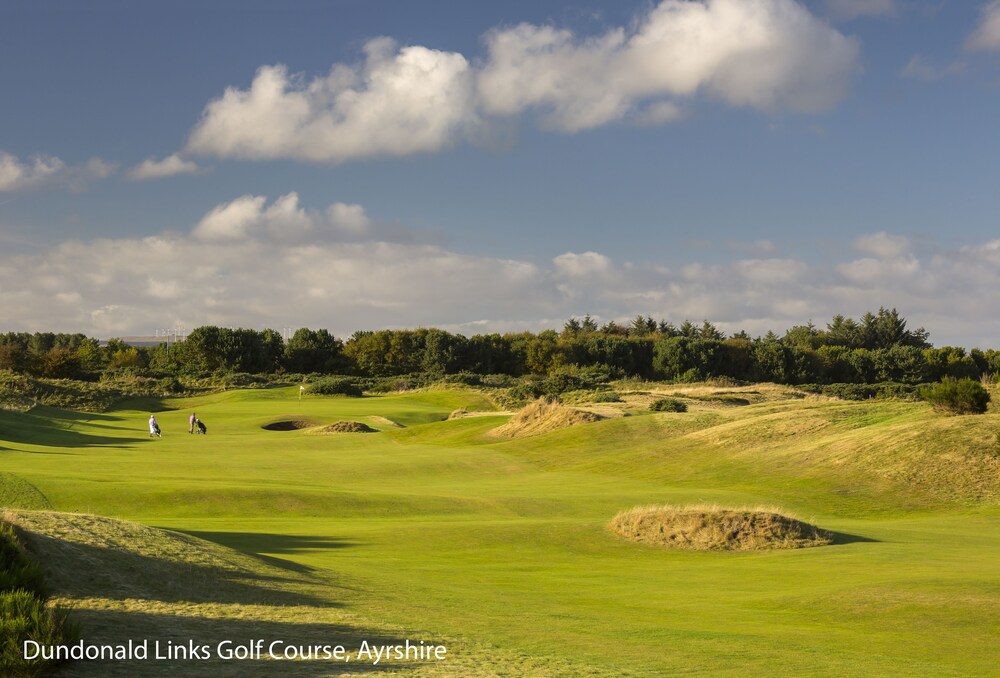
(870, 270)
(763, 54)
(283, 220)
(231, 221)
(349, 218)
(987, 34)
(851, 9)
(575, 265)
(151, 168)
(771, 271)
(882, 244)
(44, 170)
(921, 68)
(17, 175)
(398, 102)
(239, 265)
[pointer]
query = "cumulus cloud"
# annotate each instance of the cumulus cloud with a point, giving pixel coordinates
(151, 168)
(400, 101)
(16, 174)
(45, 170)
(852, 9)
(987, 34)
(764, 54)
(249, 217)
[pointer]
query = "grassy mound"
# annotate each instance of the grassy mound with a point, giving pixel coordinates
(542, 416)
(348, 427)
(711, 528)
(289, 425)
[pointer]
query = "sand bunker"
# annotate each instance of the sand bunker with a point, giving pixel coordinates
(348, 427)
(542, 416)
(288, 425)
(711, 528)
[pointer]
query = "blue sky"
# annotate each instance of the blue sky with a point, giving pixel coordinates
(498, 166)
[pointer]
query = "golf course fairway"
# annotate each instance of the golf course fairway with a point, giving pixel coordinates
(434, 530)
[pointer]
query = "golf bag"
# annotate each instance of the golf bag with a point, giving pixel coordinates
(200, 427)
(155, 430)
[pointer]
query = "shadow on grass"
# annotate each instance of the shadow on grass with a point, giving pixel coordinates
(257, 544)
(840, 538)
(142, 404)
(118, 626)
(50, 427)
(181, 571)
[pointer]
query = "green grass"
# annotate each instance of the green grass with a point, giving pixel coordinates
(501, 548)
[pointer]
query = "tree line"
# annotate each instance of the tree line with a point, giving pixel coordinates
(877, 347)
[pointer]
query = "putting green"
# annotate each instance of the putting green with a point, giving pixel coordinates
(502, 546)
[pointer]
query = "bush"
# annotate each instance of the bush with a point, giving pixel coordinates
(171, 385)
(558, 384)
(668, 405)
(23, 613)
(606, 397)
(526, 390)
(463, 379)
(498, 380)
(958, 396)
(17, 571)
(335, 386)
(24, 616)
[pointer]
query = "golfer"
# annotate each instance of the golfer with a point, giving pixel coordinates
(191, 422)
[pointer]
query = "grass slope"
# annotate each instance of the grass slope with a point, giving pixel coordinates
(502, 547)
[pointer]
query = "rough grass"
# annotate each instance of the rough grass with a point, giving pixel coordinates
(542, 416)
(714, 528)
(347, 427)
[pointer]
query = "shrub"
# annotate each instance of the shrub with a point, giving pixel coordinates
(606, 397)
(23, 613)
(17, 571)
(558, 384)
(668, 405)
(335, 386)
(498, 380)
(958, 396)
(171, 385)
(524, 392)
(24, 616)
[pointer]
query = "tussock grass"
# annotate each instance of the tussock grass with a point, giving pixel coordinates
(709, 527)
(348, 427)
(543, 416)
